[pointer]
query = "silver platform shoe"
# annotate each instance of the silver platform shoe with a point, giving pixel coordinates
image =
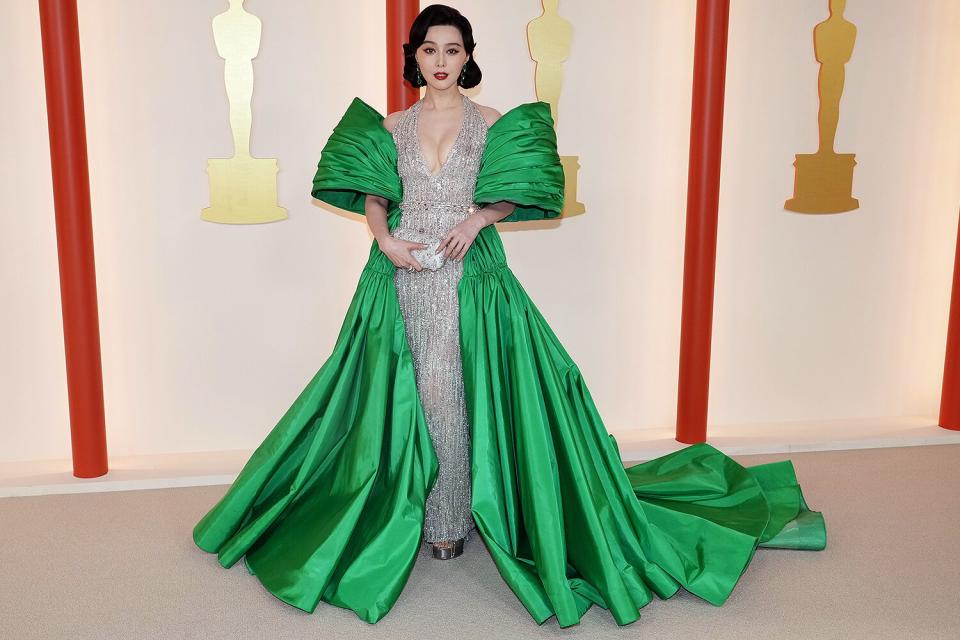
(450, 549)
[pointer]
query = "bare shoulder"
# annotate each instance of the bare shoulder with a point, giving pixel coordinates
(391, 120)
(490, 115)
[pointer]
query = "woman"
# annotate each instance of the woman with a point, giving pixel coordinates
(449, 403)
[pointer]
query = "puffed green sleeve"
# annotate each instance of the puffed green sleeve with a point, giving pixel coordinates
(359, 158)
(520, 164)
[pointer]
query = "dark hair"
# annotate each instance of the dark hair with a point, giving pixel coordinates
(436, 15)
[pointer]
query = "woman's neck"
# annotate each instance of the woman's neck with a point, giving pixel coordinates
(442, 99)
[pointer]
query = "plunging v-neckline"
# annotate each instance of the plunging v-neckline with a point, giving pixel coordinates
(453, 147)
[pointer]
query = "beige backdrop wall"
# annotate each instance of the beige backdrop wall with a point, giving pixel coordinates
(209, 332)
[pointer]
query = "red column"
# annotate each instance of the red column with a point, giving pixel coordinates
(400, 15)
(703, 194)
(71, 197)
(950, 393)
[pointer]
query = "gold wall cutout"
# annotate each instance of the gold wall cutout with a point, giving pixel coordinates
(823, 181)
(243, 189)
(549, 37)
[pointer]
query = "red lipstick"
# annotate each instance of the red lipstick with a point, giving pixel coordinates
(440, 75)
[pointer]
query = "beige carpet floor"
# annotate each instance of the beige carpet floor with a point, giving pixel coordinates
(123, 565)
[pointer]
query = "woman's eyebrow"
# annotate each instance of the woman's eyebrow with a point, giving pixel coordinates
(449, 43)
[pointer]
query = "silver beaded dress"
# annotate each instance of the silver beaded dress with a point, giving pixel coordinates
(433, 204)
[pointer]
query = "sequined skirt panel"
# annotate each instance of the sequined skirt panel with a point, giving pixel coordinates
(428, 302)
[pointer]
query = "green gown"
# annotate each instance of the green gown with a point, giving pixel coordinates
(331, 505)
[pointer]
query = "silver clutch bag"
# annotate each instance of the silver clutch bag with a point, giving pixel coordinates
(428, 257)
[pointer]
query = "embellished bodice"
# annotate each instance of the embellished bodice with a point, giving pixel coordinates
(434, 203)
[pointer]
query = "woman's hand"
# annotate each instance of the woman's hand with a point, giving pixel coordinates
(398, 250)
(455, 244)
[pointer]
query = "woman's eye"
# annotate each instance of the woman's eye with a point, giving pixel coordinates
(452, 52)
(428, 50)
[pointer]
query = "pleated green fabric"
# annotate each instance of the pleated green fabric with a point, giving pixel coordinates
(520, 164)
(330, 507)
(358, 158)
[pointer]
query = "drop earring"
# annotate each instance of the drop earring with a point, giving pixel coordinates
(463, 74)
(419, 77)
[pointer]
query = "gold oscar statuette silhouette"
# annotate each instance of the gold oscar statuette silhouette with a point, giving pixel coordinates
(548, 38)
(823, 181)
(243, 189)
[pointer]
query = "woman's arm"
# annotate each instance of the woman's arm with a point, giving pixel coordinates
(455, 244)
(396, 249)
(494, 212)
(375, 208)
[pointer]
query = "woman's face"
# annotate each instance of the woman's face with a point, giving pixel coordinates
(441, 56)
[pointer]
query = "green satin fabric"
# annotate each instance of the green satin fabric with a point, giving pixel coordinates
(330, 506)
